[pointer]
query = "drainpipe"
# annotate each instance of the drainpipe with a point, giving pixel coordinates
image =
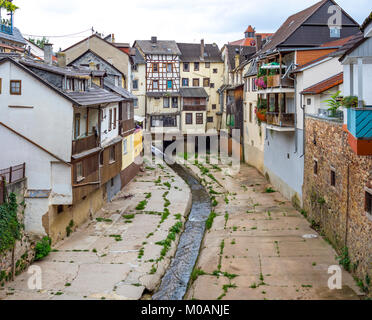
(295, 103)
(303, 107)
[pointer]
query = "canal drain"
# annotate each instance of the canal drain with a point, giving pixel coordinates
(174, 283)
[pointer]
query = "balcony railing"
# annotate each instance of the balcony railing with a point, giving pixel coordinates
(6, 29)
(85, 144)
(274, 82)
(280, 119)
(194, 107)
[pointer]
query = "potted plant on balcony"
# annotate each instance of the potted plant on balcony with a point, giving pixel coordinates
(261, 110)
(334, 103)
(261, 82)
(350, 102)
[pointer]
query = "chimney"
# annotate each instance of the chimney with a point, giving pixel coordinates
(237, 57)
(258, 42)
(154, 39)
(48, 53)
(113, 38)
(61, 56)
(202, 48)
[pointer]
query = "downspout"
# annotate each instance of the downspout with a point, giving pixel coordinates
(295, 122)
(303, 107)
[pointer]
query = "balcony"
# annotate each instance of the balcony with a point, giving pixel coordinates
(6, 29)
(85, 144)
(274, 84)
(280, 121)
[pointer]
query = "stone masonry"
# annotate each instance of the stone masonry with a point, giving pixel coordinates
(339, 211)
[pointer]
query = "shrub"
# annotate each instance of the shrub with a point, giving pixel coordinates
(43, 248)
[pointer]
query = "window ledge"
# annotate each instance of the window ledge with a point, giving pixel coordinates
(112, 162)
(80, 179)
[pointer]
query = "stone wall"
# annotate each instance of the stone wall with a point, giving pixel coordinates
(338, 211)
(24, 249)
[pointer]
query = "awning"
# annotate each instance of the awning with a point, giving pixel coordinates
(273, 65)
(139, 119)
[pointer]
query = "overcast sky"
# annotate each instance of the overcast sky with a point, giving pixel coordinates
(217, 21)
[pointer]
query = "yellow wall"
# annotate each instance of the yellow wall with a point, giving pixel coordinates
(128, 158)
(216, 78)
(138, 146)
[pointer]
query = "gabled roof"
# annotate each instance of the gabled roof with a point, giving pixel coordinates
(138, 58)
(325, 84)
(93, 96)
(4, 59)
(158, 47)
(193, 93)
(252, 70)
(99, 58)
(16, 36)
(191, 52)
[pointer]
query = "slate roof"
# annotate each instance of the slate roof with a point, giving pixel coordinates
(138, 58)
(191, 52)
(252, 70)
(94, 95)
(160, 47)
(193, 93)
(16, 36)
(325, 84)
(290, 26)
(69, 71)
(245, 54)
(119, 90)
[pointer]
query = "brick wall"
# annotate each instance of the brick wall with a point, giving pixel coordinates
(340, 210)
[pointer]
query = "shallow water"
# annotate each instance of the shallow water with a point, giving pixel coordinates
(174, 283)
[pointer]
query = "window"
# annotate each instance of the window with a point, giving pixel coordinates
(135, 103)
(116, 78)
(110, 120)
(15, 87)
(59, 209)
(163, 121)
(195, 82)
(155, 84)
(135, 84)
(207, 65)
(169, 84)
(250, 112)
(188, 118)
(196, 66)
(214, 106)
(215, 70)
(155, 67)
(165, 102)
(333, 177)
(70, 84)
(210, 120)
(174, 102)
(335, 32)
(254, 87)
(212, 85)
(308, 101)
(169, 67)
(77, 125)
(112, 154)
(129, 113)
(206, 82)
(186, 67)
(368, 202)
(125, 146)
(115, 118)
(79, 172)
(316, 167)
(185, 82)
(199, 118)
(112, 182)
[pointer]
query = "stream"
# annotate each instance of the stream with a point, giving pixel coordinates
(175, 281)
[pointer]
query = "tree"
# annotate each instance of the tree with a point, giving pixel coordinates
(8, 5)
(39, 42)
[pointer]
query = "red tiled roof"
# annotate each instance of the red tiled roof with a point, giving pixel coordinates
(336, 43)
(248, 41)
(325, 84)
